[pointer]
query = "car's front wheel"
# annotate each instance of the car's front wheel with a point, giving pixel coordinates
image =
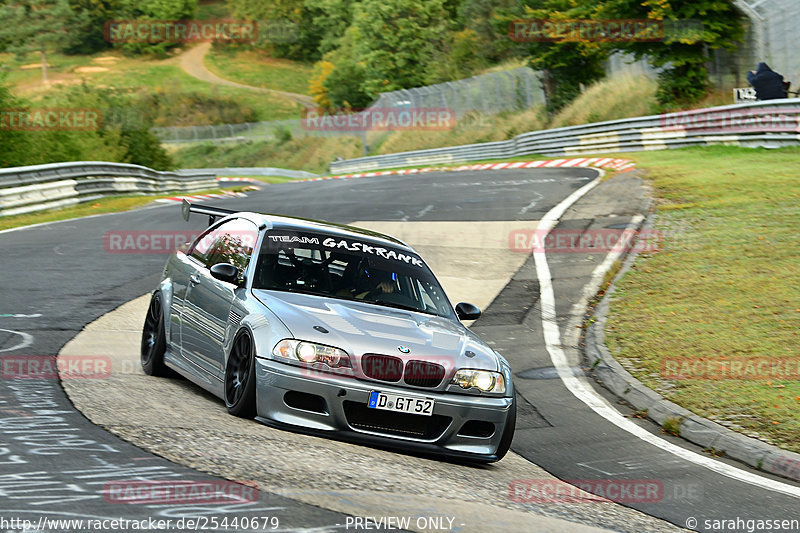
(240, 379)
(154, 339)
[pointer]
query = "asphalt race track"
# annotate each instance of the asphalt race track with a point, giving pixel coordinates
(60, 277)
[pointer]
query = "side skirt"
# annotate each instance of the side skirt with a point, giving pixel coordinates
(195, 374)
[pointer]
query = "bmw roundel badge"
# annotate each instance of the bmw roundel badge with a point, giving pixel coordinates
(404, 349)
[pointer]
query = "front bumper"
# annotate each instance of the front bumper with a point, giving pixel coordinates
(462, 426)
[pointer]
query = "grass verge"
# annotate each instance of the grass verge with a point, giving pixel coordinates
(142, 75)
(304, 153)
(258, 70)
(723, 289)
(111, 204)
(613, 99)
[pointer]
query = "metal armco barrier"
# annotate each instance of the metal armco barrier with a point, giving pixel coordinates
(250, 171)
(39, 187)
(769, 124)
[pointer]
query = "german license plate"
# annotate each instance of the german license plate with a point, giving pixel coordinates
(403, 404)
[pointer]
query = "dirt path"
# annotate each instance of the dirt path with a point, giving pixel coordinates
(191, 62)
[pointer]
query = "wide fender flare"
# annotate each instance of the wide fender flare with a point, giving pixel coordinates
(264, 328)
(165, 289)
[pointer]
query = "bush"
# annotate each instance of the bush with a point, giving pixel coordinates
(307, 153)
(154, 10)
(123, 135)
(282, 135)
(170, 108)
(610, 100)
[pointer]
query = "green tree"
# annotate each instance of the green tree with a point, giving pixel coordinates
(155, 10)
(345, 85)
(124, 133)
(287, 28)
(130, 119)
(461, 57)
(565, 64)
(13, 143)
(683, 52)
(87, 36)
(265, 9)
(37, 26)
(481, 17)
(396, 40)
(343, 75)
(330, 18)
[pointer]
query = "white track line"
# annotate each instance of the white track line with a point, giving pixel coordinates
(584, 392)
(26, 341)
(52, 222)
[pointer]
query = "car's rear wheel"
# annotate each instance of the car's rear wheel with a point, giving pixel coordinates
(154, 339)
(240, 379)
(508, 431)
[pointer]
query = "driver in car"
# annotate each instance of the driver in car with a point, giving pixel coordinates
(381, 281)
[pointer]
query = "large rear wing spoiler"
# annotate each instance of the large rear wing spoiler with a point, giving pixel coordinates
(187, 208)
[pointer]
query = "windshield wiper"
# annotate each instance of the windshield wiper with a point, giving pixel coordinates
(340, 297)
(397, 306)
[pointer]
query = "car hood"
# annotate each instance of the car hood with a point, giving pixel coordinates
(361, 328)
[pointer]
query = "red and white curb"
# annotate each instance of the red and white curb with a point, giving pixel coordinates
(605, 162)
(244, 180)
(201, 197)
(248, 180)
(224, 194)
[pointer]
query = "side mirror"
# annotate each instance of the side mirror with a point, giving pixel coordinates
(466, 311)
(225, 272)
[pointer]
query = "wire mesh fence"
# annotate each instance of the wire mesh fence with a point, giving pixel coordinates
(776, 39)
(771, 37)
(519, 88)
(268, 130)
(515, 89)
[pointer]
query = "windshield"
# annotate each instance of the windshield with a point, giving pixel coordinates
(348, 269)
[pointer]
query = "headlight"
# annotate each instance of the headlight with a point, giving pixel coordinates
(483, 380)
(309, 352)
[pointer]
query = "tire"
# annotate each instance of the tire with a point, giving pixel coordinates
(154, 339)
(240, 378)
(508, 431)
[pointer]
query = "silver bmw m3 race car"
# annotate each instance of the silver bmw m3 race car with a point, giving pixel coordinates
(328, 329)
